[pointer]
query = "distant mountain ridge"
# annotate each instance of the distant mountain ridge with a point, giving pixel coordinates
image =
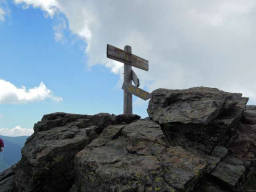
(12, 151)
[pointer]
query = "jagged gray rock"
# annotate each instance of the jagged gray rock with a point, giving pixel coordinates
(199, 117)
(198, 105)
(6, 180)
(135, 157)
(243, 143)
(249, 116)
(229, 171)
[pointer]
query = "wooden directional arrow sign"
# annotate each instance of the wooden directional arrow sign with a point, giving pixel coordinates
(125, 57)
(137, 91)
(135, 79)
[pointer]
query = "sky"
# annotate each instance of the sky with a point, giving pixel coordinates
(53, 53)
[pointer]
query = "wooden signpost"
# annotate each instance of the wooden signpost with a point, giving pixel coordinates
(125, 56)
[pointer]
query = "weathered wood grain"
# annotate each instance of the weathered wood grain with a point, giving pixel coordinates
(125, 57)
(127, 80)
(137, 91)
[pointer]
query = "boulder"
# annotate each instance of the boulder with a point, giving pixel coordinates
(199, 117)
(198, 105)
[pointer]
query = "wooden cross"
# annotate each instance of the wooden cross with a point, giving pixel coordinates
(125, 56)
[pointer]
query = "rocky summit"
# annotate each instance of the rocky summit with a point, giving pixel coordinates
(199, 139)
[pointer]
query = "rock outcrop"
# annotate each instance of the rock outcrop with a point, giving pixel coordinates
(198, 117)
(47, 162)
(198, 140)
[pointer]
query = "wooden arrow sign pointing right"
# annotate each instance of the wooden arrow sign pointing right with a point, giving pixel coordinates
(137, 91)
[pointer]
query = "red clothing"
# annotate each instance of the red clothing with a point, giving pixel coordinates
(1, 143)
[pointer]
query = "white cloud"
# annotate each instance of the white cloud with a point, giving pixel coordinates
(2, 14)
(16, 131)
(47, 5)
(58, 30)
(10, 94)
(58, 36)
(187, 43)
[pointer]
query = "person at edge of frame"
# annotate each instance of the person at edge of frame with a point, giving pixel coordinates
(1, 145)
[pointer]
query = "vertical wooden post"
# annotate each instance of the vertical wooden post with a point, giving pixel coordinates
(128, 81)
